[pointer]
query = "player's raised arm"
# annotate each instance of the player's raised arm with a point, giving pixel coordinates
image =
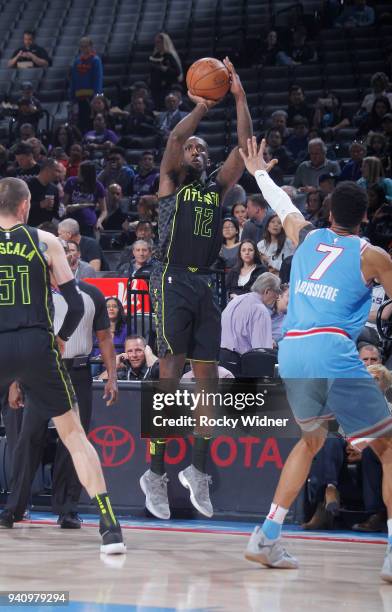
(174, 151)
(65, 280)
(292, 220)
(233, 167)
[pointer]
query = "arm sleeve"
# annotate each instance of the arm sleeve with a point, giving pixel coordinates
(275, 196)
(75, 312)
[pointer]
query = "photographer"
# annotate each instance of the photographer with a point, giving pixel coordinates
(138, 362)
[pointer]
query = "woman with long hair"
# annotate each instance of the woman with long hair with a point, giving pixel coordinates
(313, 206)
(165, 68)
(84, 196)
(373, 121)
(65, 136)
(118, 330)
(248, 267)
(231, 245)
(373, 174)
(275, 247)
(240, 212)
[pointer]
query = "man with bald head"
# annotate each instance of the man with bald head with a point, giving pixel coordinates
(90, 251)
(187, 317)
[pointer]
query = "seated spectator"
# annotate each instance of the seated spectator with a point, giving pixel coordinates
(297, 106)
(146, 181)
(239, 212)
(352, 169)
(65, 136)
(140, 89)
(379, 229)
(118, 326)
(26, 131)
(25, 166)
(169, 118)
(257, 209)
(139, 122)
(117, 205)
(370, 355)
(308, 172)
(90, 251)
(143, 230)
(29, 55)
(314, 202)
(81, 269)
(373, 121)
(277, 151)
(100, 138)
(373, 174)
(274, 247)
(329, 114)
(117, 171)
(230, 247)
(75, 159)
(140, 265)
(29, 107)
(40, 153)
(165, 68)
(299, 51)
(270, 49)
(147, 209)
(279, 122)
(327, 183)
(86, 80)
(246, 320)
(278, 313)
(355, 16)
(377, 147)
(247, 268)
(83, 196)
(138, 362)
(100, 105)
(380, 87)
(185, 103)
(297, 142)
(44, 194)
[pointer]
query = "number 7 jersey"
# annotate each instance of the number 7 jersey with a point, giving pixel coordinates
(190, 225)
(25, 295)
(327, 288)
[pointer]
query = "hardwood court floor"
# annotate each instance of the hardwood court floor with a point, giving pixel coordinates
(175, 566)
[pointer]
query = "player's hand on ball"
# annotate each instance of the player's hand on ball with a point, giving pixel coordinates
(199, 100)
(254, 157)
(235, 81)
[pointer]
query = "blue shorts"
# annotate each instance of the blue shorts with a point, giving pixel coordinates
(325, 379)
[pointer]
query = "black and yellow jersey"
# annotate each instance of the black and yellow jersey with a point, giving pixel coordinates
(25, 294)
(189, 225)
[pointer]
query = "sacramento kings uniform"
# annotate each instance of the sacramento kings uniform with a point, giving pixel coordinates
(328, 307)
(28, 350)
(187, 318)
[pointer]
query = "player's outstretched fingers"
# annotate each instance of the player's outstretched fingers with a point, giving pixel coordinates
(254, 146)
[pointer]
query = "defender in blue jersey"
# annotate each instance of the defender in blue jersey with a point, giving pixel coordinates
(330, 298)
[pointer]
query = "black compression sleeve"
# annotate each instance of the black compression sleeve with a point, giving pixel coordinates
(75, 312)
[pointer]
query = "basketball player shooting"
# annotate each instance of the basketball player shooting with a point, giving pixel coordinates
(187, 317)
(30, 354)
(330, 298)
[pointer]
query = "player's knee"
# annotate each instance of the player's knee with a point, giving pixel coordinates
(313, 442)
(382, 447)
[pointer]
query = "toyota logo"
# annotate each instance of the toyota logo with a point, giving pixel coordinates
(117, 444)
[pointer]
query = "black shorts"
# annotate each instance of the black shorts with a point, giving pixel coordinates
(31, 357)
(187, 317)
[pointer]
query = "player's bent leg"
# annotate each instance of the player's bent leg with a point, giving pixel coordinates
(194, 477)
(154, 481)
(264, 545)
(89, 471)
(383, 449)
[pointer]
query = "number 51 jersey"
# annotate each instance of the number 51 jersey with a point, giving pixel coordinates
(25, 296)
(327, 289)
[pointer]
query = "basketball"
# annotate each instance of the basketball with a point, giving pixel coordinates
(208, 78)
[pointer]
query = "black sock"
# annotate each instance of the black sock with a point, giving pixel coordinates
(107, 516)
(200, 451)
(157, 452)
